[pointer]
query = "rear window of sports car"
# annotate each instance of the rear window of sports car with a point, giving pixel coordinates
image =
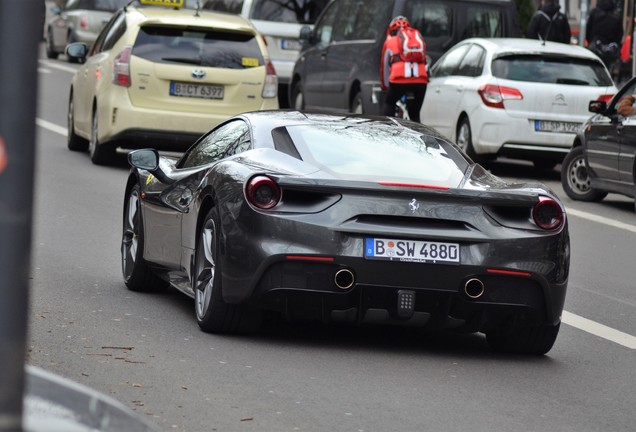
(551, 69)
(379, 154)
(201, 47)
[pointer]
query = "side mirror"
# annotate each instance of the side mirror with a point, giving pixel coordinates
(149, 160)
(306, 35)
(76, 51)
(145, 159)
(597, 106)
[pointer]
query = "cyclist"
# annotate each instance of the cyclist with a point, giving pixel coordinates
(403, 67)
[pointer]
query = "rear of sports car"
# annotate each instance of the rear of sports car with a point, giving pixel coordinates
(414, 235)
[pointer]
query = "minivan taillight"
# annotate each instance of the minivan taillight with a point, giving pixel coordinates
(121, 68)
(270, 89)
(494, 96)
(605, 98)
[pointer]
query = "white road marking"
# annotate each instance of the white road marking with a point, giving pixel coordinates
(601, 219)
(599, 330)
(50, 126)
(569, 318)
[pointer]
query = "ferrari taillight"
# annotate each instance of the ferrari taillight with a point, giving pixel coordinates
(547, 214)
(121, 68)
(262, 192)
(494, 96)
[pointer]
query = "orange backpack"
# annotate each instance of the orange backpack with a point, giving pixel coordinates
(412, 46)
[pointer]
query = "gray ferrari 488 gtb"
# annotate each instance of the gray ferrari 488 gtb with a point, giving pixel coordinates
(346, 219)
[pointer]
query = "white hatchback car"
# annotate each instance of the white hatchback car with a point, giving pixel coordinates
(519, 98)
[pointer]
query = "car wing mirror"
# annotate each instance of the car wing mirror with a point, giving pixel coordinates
(76, 51)
(149, 160)
(305, 36)
(597, 107)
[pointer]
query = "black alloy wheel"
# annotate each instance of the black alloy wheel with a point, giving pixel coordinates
(137, 275)
(213, 314)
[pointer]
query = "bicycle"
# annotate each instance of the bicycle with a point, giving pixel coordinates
(401, 106)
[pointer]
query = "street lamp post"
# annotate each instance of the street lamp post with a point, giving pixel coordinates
(19, 36)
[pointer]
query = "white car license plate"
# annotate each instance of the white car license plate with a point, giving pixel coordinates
(290, 44)
(205, 91)
(556, 126)
(411, 251)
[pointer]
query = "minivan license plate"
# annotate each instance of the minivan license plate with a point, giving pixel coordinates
(205, 91)
(411, 251)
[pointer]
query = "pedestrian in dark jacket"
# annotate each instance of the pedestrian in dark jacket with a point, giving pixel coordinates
(604, 32)
(548, 23)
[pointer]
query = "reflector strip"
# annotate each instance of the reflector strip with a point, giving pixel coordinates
(508, 272)
(413, 185)
(308, 258)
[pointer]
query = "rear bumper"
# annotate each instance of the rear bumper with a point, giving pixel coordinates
(308, 291)
(497, 133)
(132, 127)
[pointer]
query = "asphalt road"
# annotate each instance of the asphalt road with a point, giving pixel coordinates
(148, 352)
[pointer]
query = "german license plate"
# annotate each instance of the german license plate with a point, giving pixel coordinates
(556, 126)
(411, 251)
(205, 91)
(290, 44)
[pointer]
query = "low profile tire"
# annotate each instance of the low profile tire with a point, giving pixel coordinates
(213, 314)
(101, 154)
(527, 340)
(544, 164)
(575, 179)
(465, 139)
(50, 50)
(73, 141)
(137, 275)
(356, 104)
(298, 97)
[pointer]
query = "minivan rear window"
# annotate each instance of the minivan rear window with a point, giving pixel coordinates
(290, 11)
(551, 69)
(201, 47)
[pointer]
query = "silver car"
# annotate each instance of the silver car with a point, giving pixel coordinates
(78, 21)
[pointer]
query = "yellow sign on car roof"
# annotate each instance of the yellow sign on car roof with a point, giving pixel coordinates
(168, 3)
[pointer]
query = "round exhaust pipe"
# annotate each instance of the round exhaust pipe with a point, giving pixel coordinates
(344, 279)
(474, 288)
